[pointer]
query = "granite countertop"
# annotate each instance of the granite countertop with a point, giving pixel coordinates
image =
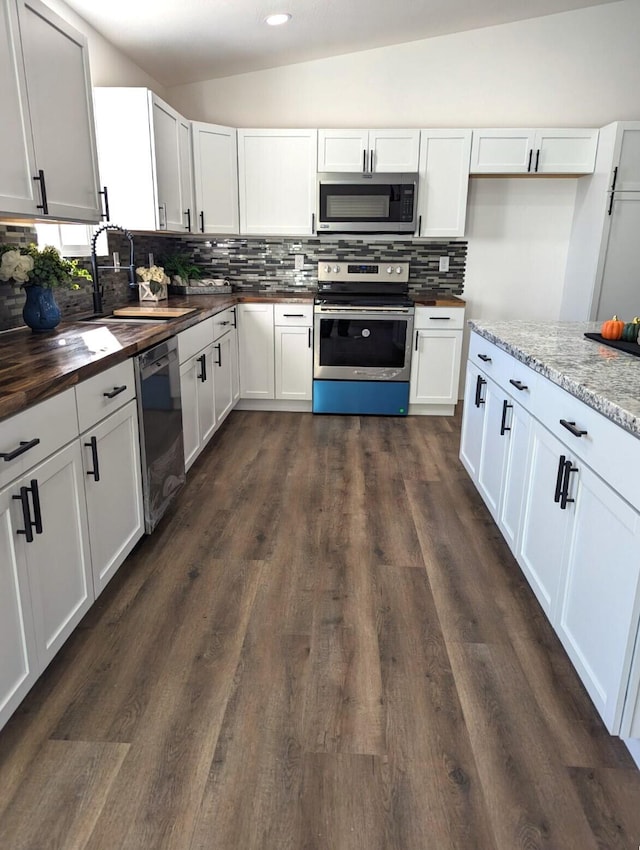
(602, 377)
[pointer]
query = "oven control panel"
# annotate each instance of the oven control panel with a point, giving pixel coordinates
(348, 271)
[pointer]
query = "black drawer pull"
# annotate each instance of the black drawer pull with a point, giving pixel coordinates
(440, 318)
(518, 384)
(23, 498)
(571, 426)
(115, 391)
(93, 445)
(219, 360)
(235, 317)
(202, 360)
(485, 358)
(293, 315)
(37, 514)
(24, 446)
(559, 478)
(479, 384)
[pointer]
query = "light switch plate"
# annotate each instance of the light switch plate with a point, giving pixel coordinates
(299, 262)
(444, 264)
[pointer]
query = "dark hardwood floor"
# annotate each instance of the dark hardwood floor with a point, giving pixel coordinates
(328, 646)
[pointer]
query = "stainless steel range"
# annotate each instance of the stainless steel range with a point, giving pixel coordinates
(363, 328)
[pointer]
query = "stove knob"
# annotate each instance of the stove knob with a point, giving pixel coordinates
(327, 269)
(389, 270)
(336, 269)
(398, 270)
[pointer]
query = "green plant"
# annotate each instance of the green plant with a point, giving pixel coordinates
(181, 265)
(28, 264)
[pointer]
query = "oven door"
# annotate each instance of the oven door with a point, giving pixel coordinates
(355, 344)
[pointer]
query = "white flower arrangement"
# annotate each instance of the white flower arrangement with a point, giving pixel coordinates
(16, 266)
(154, 282)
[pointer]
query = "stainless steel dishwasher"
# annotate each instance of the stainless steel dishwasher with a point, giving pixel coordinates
(160, 416)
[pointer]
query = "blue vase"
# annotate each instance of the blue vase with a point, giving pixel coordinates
(40, 312)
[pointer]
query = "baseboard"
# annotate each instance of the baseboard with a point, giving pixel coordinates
(432, 409)
(284, 405)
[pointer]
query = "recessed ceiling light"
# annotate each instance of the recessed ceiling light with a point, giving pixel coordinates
(277, 20)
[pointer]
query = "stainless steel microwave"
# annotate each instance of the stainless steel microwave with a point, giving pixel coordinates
(375, 203)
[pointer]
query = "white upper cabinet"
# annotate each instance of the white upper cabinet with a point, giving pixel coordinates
(626, 157)
(144, 148)
(528, 151)
(277, 181)
(215, 161)
(444, 182)
(368, 151)
(48, 163)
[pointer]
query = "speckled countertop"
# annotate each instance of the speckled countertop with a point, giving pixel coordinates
(602, 377)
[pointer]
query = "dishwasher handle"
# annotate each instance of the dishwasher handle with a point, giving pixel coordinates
(157, 366)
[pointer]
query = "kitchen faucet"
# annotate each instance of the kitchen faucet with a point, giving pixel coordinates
(98, 290)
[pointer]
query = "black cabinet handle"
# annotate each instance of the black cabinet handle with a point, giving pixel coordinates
(537, 160)
(26, 516)
(479, 383)
(530, 157)
(571, 426)
(485, 358)
(559, 478)
(309, 337)
(219, 360)
(115, 391)
(105, 215)
(293, 315)
(564, 496)
(93, 445)
(503, 424)
(44, 206)
(441, 319)
(188, 215)
(518, 384)
(24, 446)
(371, 161)
(419, 225)
(614, 179)
(417, 337)
(202, 360)
(235, 317)
(201, 221)
(364, 161)
(611, 199)
(37, 513)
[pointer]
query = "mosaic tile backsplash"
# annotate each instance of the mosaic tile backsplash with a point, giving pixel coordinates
(249, 264)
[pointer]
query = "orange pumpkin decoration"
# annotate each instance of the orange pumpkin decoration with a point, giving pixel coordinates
(612, 329)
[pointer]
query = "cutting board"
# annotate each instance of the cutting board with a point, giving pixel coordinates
(153, 312)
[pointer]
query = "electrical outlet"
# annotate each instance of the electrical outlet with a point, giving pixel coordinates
(299, 262)
(444, 264)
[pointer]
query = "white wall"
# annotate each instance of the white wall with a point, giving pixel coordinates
(574, 68)
(109, 67)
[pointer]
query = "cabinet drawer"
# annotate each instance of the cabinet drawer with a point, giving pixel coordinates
(438, 318)
(293, 314)
(609, 450)
(53, 422)
(223, 322)
(104, 393)
(487, 356)
(194, 339)
(510, 374)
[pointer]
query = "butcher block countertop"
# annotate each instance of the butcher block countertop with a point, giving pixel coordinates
(34, 367)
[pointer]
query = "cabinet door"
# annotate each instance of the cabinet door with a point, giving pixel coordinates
(394, 150)
(494, 447)
(619, 282)
(294, 362)
(343, 150)
(18, 659)
(515, 473)
(473, 412)
(189, 401)
(58, 560)
(186, 175)
(502, 151)
(113, 491)
(444, 182)
(435, 367)
(564, 151)
(223, 379)
(277, 181)
(17, 159)
(167, 160)
(598, 614)
(626, 157)
(544, 523)
(255, 345)
(205, 375)
(59, 90)
(235, 362)
(215, 156)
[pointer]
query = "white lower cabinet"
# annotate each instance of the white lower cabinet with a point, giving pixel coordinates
(435, 360)
(225, 352)
(575, 537)
(255, 345)
(294, 362)
(198, 403)
(52, 510)
(113, 488)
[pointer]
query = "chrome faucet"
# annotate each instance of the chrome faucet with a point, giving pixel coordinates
(98, 290)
